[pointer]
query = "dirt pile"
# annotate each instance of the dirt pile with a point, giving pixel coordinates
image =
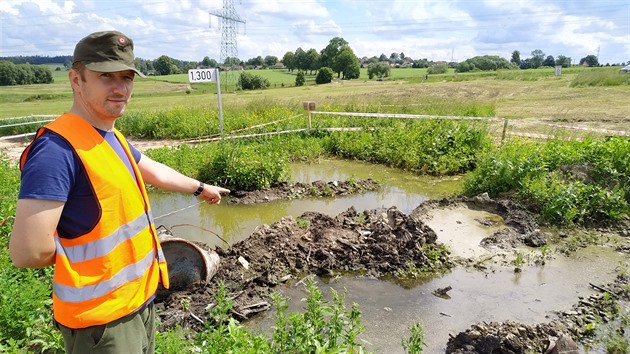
(302, 190)
(374, 242)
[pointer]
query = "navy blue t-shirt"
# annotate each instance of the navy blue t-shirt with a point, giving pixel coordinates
(54, 172)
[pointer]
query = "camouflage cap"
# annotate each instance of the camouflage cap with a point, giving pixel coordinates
(107, 51)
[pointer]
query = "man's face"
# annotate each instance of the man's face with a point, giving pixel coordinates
(103, 95)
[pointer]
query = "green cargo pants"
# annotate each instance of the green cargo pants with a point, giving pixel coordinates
(132, 334)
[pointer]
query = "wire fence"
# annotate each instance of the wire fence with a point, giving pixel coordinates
(499, 127)
(36, 120)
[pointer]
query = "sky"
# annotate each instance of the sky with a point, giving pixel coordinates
(432, 29)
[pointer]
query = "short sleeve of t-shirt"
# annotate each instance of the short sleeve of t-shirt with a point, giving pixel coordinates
(53, 172)
(50, 170)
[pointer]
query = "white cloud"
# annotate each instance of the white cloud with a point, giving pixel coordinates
(430, 29)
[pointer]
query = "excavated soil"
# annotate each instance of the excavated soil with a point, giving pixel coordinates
(375, 243)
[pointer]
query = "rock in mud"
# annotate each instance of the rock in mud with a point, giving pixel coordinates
(564, 344)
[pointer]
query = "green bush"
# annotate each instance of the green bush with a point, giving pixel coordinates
(299, 79)
(9, 187)
(438, 69)
(249, 81)
(324, 76)
(432, 147)
(187, 159)
(25, 300)
(378, 69)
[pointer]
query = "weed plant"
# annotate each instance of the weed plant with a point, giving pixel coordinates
(323, 327)
(415, 343)
(175, 340)
(430, 147)
(567, 182)
(25, 303)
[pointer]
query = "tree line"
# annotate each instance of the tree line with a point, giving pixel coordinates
(337, 57)
(24, 74)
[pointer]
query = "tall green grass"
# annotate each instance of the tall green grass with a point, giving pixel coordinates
(600, 77)
(431, 146)
(428, 147)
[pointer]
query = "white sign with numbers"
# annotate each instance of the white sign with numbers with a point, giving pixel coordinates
(209, 75)
(202, 75)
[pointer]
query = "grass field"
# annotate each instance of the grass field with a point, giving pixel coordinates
(524, 95)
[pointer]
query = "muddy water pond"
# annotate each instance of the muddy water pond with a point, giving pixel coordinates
(532, 296)
(199, 222)
(389, 308)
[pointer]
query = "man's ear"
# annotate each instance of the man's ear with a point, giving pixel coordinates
(75, 78)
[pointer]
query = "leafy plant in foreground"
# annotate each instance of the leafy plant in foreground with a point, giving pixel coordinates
(415, 343)
(224, 334)
(323, 328)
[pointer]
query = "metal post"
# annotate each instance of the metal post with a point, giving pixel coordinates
(309, 120)
(309, 106)
(505, 124)
(216, 70)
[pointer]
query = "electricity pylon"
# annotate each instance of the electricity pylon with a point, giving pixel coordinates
(228, 22)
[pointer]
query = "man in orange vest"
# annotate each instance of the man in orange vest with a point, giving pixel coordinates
(83, 207)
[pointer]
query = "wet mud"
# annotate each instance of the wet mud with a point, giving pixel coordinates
(379, 243)
(303, 190)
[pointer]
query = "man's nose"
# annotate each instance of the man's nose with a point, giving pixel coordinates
(120, 85)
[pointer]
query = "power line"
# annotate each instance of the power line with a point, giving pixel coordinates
(229, 20)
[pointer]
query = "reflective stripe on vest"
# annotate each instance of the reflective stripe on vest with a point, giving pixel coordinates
(113, 269)
(105, 244)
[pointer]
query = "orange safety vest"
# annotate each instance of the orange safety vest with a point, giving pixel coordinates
(113, 269)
